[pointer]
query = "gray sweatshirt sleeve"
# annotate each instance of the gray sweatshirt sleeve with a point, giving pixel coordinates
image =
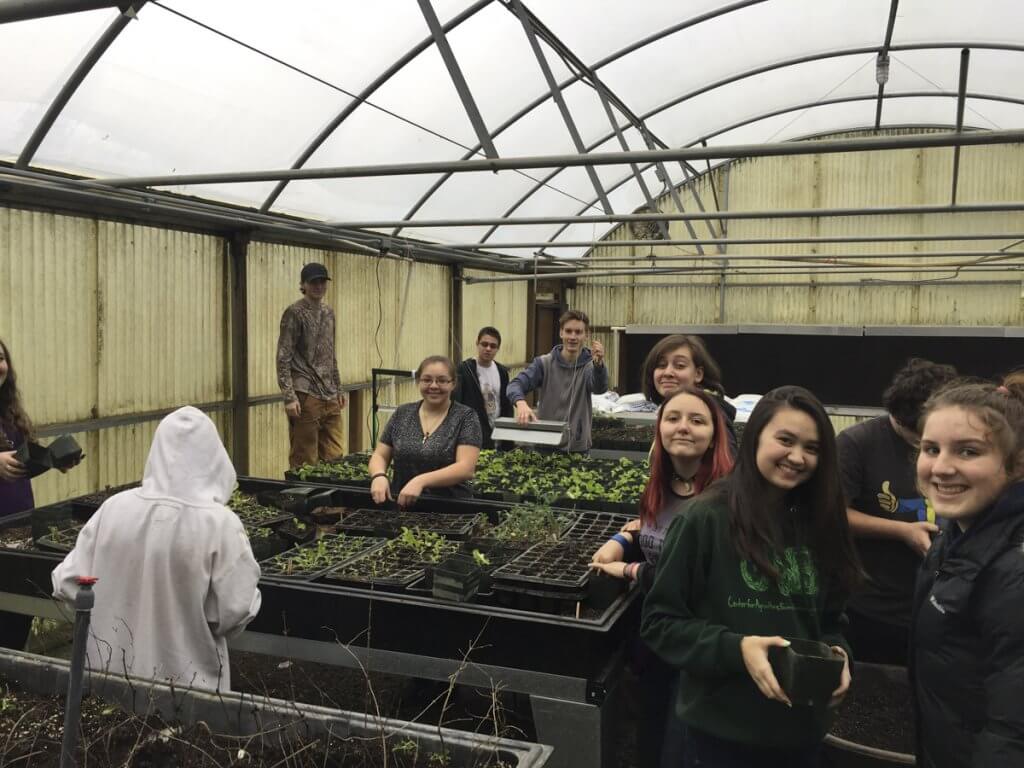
(599, 379)
(527, 381)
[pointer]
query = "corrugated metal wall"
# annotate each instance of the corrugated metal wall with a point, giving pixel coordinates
(502, 305)
(863, 179)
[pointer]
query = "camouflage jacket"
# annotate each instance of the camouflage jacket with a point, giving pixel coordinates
(305, 352)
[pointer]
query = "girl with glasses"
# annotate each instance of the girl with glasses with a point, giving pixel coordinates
(430, 444)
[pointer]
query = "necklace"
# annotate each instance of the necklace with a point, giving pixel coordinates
(686, 481)
(432, 428)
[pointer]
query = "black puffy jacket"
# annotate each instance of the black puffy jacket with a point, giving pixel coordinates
(967, 643)
(467, 392)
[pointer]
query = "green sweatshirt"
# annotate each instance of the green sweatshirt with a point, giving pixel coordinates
(705, 600)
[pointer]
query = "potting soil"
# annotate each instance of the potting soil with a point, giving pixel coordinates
(877, 713)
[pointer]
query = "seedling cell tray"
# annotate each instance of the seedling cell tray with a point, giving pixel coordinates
(60, 541)
(393, 566)
(306, 562)
(255, 514)
(297, 531)
(596, 527)
(562, 566)
(83, 507)
(388, 522)
(457, 578)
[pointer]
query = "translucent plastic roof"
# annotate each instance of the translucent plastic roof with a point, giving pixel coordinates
(194, 86)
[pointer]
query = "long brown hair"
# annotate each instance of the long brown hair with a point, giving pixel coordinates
(818, 502)
(701, 359)
(12, 413)
(716, 462)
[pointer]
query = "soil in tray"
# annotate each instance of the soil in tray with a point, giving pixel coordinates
(95, 500)
(398, 563)
(310, 559)
(616, 434)
(393, 521)
(562, 564)
(32, 725)
(61, 539)
(596, 527)
(877, 713)
(16, 537)
(252, 513)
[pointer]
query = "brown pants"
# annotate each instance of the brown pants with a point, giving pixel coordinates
(316, 434)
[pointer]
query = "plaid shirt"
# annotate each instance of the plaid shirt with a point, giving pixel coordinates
(305, 352)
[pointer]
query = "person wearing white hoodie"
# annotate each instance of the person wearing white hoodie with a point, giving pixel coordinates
(176, 575)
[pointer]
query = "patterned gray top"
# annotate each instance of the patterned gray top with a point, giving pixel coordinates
(412, 455)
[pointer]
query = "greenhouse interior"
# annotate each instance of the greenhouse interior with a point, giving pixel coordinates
(359, 363)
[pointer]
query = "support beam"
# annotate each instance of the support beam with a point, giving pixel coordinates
(75, 79)
(882, 61)
(723, 215)
(810, 257)
(783, 149)
(961, 97)
(238, 256)
(458, 79)
(24, 10)
(559, 99)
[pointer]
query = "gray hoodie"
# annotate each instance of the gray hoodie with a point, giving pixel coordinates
(564, 389)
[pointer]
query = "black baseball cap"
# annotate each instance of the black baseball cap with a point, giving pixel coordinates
(314, 271)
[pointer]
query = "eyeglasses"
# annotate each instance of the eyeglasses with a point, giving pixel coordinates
(429, 381)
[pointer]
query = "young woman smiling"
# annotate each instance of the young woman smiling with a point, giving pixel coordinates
(967, 632)
(762, 556)
(690, 454)
(434, 443)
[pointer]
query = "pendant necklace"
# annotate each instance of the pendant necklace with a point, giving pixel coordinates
(433, 427)
(686, 481)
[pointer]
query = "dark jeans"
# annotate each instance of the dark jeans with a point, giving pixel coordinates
(703, 750)
(877, 642)
(657, 682)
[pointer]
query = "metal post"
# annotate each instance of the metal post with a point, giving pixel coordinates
(961, 97)
(84, 600)
(882, 61)
(238, 255)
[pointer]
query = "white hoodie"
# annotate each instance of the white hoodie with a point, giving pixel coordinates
(176, 572)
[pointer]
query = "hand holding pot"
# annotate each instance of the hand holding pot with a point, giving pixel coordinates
(411, 493)
(524, 413)
(380, 490)
(755, 658)
(918, 536)
(844, 681)
(10, 468)
(293, 409)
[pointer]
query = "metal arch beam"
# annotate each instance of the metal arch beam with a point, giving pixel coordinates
(883, 58)
(458, 79)
(782, 111)
(961, 99)
(368, 91)
(75, 79)
(559, 99)
(809, 58)
(691, 22)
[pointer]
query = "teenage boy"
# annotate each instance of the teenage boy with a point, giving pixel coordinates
(564, 380)
(307, 373)
(482, 382)
(889, 519)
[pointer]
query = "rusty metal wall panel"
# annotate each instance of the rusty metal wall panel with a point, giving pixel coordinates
(423, 314)
(162, 319)
(48, 311)
(268, 439)
(502, 305)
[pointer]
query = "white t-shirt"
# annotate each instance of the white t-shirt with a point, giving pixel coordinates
(490, 386)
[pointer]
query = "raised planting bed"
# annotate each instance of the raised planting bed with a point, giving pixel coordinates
(390, 522)
(397, 564)
(551, 566)
(615, 434)
(305, 562)
(527, 524)
(874, 727)
(595, 528)
(60, 539)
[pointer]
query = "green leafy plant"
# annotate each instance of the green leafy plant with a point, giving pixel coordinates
(480, 558)
(429, 547)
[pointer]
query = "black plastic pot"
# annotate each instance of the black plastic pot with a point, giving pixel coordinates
(808, 671)
(65, 452)
(35, 458)
(457, 578)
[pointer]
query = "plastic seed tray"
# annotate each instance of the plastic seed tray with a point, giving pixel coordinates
(391, 566)
(306, 562)
(84, 506)
(60, 541)
(525, 525)
(562, 565)
(387, 522)
(256, 515)
(596, 527)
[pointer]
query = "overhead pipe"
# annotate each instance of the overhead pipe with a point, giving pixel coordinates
(961, 99)
(782, 149)
(25, 10)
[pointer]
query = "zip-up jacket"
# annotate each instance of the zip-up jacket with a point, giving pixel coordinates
(467, 392)
(967, 642)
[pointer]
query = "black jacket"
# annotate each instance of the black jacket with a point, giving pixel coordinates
(967, 642)
(467, 392)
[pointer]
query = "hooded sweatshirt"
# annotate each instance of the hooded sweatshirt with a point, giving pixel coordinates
(176, 573)
(564, 389)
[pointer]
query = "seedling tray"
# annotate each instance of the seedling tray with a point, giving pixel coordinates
(527, 524)
(306, 562)
(393, 566)
(83, 507)
(388, 522)
(596, 527)
(562, 566)
(253, 514)
(60, 541)
(297, 531)
(265, 542)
